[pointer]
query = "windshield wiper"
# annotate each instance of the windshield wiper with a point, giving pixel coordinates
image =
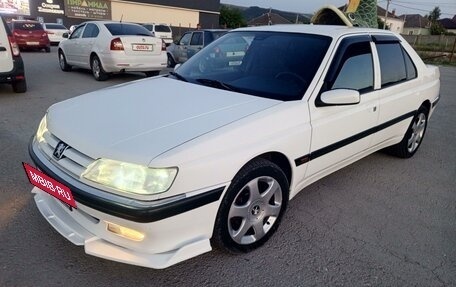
(217, 84)
(178, 76)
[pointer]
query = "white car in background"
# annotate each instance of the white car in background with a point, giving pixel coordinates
(112, 47)
(163, 169)
(55, 32)
(162, 31)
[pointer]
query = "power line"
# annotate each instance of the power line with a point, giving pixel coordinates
(417, 9)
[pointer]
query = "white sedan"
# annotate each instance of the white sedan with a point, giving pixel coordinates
(163, 169)
(112, 47)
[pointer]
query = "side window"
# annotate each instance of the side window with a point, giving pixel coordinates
(77, 33)
(185, 40)
(356, 70)
(392, 63)
(91, 31)
(411, 69)
(197, 39)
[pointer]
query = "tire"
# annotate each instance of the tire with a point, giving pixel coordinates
(47, 49)
(19, 86)
(171, 63)
(152, 73)
(413, 136)
(247, 219)
(63, 63)
(97, 69)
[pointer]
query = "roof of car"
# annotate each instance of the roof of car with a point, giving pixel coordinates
(328, 30)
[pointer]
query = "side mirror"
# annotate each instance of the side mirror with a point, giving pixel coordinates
(340, 97)
(65, 35)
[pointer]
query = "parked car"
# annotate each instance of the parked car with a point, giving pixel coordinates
(55, 32)
(112, 47)
(162, 31)
(30, 35)
(11, 64)
(163, 169)
(189, 44)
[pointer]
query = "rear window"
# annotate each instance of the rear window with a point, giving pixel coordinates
(121, 29)
(28, 26)
(55, 26)
(162, 28)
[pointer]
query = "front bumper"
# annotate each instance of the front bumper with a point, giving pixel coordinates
(174, 230)
(73, 225)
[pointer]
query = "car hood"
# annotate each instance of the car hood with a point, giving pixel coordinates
(138, 121)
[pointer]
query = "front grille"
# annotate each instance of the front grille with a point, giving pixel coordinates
(73, 162)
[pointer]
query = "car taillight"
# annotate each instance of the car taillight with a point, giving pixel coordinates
(116, 44)
(16, 34)
(14, 46)
(163, 45)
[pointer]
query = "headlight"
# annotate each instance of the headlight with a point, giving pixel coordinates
(131, 178)
(42, 128)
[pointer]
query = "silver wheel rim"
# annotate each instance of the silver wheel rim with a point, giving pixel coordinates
(96, 68)
(62, 61)
(418, 127)
(254, 210)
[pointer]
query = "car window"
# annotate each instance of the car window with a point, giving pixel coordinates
(392, 63)
(265, 64)
(197, 39)
(356, 72)
(162, 28)
(185, 40)
(149, 27)
(77, 32)
(411, 69)
(123, 29)
(28, 26)
(55, 26)
(91, 31)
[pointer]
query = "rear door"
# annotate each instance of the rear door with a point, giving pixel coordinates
(6, 57)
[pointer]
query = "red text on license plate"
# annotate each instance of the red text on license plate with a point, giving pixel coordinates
(49, 185)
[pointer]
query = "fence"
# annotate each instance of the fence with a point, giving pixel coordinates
(440, 49)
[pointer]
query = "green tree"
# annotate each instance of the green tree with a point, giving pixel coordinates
(231, 17)
(433, 17)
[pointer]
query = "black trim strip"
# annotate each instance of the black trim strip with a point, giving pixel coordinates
(435, 102)
(332, 147)
(142, 214)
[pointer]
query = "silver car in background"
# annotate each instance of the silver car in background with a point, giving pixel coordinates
(108, 47)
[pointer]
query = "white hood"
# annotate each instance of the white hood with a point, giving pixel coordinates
(136, 122)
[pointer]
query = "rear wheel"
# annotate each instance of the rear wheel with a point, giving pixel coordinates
(19, 86)
(63, 63)
(47, 49)
(152, 73)
(252, 208)
(413, 137)
(97, 70)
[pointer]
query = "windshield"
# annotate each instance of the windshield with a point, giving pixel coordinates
(162, 28)
(272, 65)
(55, 26)
(122, 29)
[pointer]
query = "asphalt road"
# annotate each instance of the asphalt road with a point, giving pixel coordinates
(382, 221)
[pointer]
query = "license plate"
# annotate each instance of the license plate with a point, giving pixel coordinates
(49, 185)
(33, 43)
(142, 47)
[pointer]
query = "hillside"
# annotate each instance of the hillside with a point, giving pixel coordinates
(250, 13)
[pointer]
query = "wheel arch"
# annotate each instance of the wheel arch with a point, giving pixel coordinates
(427, 105)
(280, 160)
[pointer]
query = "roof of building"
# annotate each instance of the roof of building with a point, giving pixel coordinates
(268, 19)
(415, 21)
(448, 23)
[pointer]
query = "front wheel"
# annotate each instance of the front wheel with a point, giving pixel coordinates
(413, 137)
(63, 62)
(97, 70)
(252, 208)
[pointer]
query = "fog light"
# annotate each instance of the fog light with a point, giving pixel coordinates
(124, 232)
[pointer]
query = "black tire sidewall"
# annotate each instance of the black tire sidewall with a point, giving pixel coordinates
(252, 170)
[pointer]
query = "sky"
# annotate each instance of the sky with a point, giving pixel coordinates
(447, 7)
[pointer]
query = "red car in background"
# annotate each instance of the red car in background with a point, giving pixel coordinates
(30, 35)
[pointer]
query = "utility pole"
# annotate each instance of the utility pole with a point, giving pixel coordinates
(386, 13)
